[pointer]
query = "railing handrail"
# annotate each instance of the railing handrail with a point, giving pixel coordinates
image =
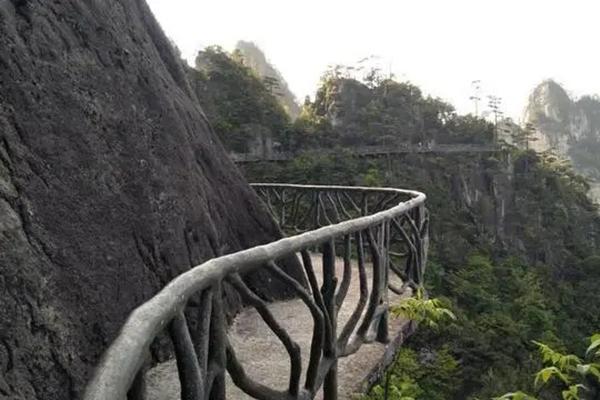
(121, 361)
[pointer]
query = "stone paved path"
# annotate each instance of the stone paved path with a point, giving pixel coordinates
(265, 359)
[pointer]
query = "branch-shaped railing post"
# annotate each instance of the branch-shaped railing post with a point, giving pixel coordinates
(383, 335)
(328, 293)
(292, 347)
(191, 376)
(371, 225)
(138, 387)
(424, 239)
(218, 346)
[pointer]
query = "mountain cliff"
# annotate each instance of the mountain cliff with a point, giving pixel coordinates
(254, 58)
(533, 234)
(350, 112)
(569, 127)
(111, 183)
(245, 114)
(514, 237)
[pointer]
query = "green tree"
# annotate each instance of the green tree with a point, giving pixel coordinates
(242, 107)
(565, 375)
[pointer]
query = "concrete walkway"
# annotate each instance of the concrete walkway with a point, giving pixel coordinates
(265, 359)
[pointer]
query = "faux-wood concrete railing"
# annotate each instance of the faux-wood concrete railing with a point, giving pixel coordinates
(386, 228)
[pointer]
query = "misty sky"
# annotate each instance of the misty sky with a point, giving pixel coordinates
(440, 45)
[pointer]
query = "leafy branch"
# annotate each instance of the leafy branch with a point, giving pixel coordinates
(566, 369)
(422, 310)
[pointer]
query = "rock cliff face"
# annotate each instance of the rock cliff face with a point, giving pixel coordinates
(569, 127)
(111, 183)
(342, 101)
(550, 109)
(256, 59)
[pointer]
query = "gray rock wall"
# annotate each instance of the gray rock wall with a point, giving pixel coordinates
(111, 183)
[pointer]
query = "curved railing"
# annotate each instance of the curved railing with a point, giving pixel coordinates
(384, 230)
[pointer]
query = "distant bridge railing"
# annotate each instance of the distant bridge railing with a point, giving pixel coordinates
(366, 151)
(384, 230)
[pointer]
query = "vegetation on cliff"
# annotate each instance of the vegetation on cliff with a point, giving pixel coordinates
(515, 239)
(243, 111)
(513, 255)
(253, 57)
(379, 110)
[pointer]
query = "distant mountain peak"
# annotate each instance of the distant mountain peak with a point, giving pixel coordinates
(549, 100)
(569, 127)
(255, 58)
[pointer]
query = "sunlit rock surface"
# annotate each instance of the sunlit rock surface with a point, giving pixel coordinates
(568, 127)
(254, 58)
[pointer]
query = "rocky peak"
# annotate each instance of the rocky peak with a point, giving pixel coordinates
(570, 128)
(340, 100)
(549, 101)
(255, 58)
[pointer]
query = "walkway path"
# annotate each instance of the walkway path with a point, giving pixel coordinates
(368, 151)
(266, 360)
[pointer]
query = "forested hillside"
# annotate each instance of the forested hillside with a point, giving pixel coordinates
(243, 111)
(515, 239)
(380, 110)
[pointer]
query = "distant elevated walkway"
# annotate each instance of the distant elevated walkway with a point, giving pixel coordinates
(367, 151)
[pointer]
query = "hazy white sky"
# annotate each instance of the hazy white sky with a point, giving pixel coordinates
(440, 45)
